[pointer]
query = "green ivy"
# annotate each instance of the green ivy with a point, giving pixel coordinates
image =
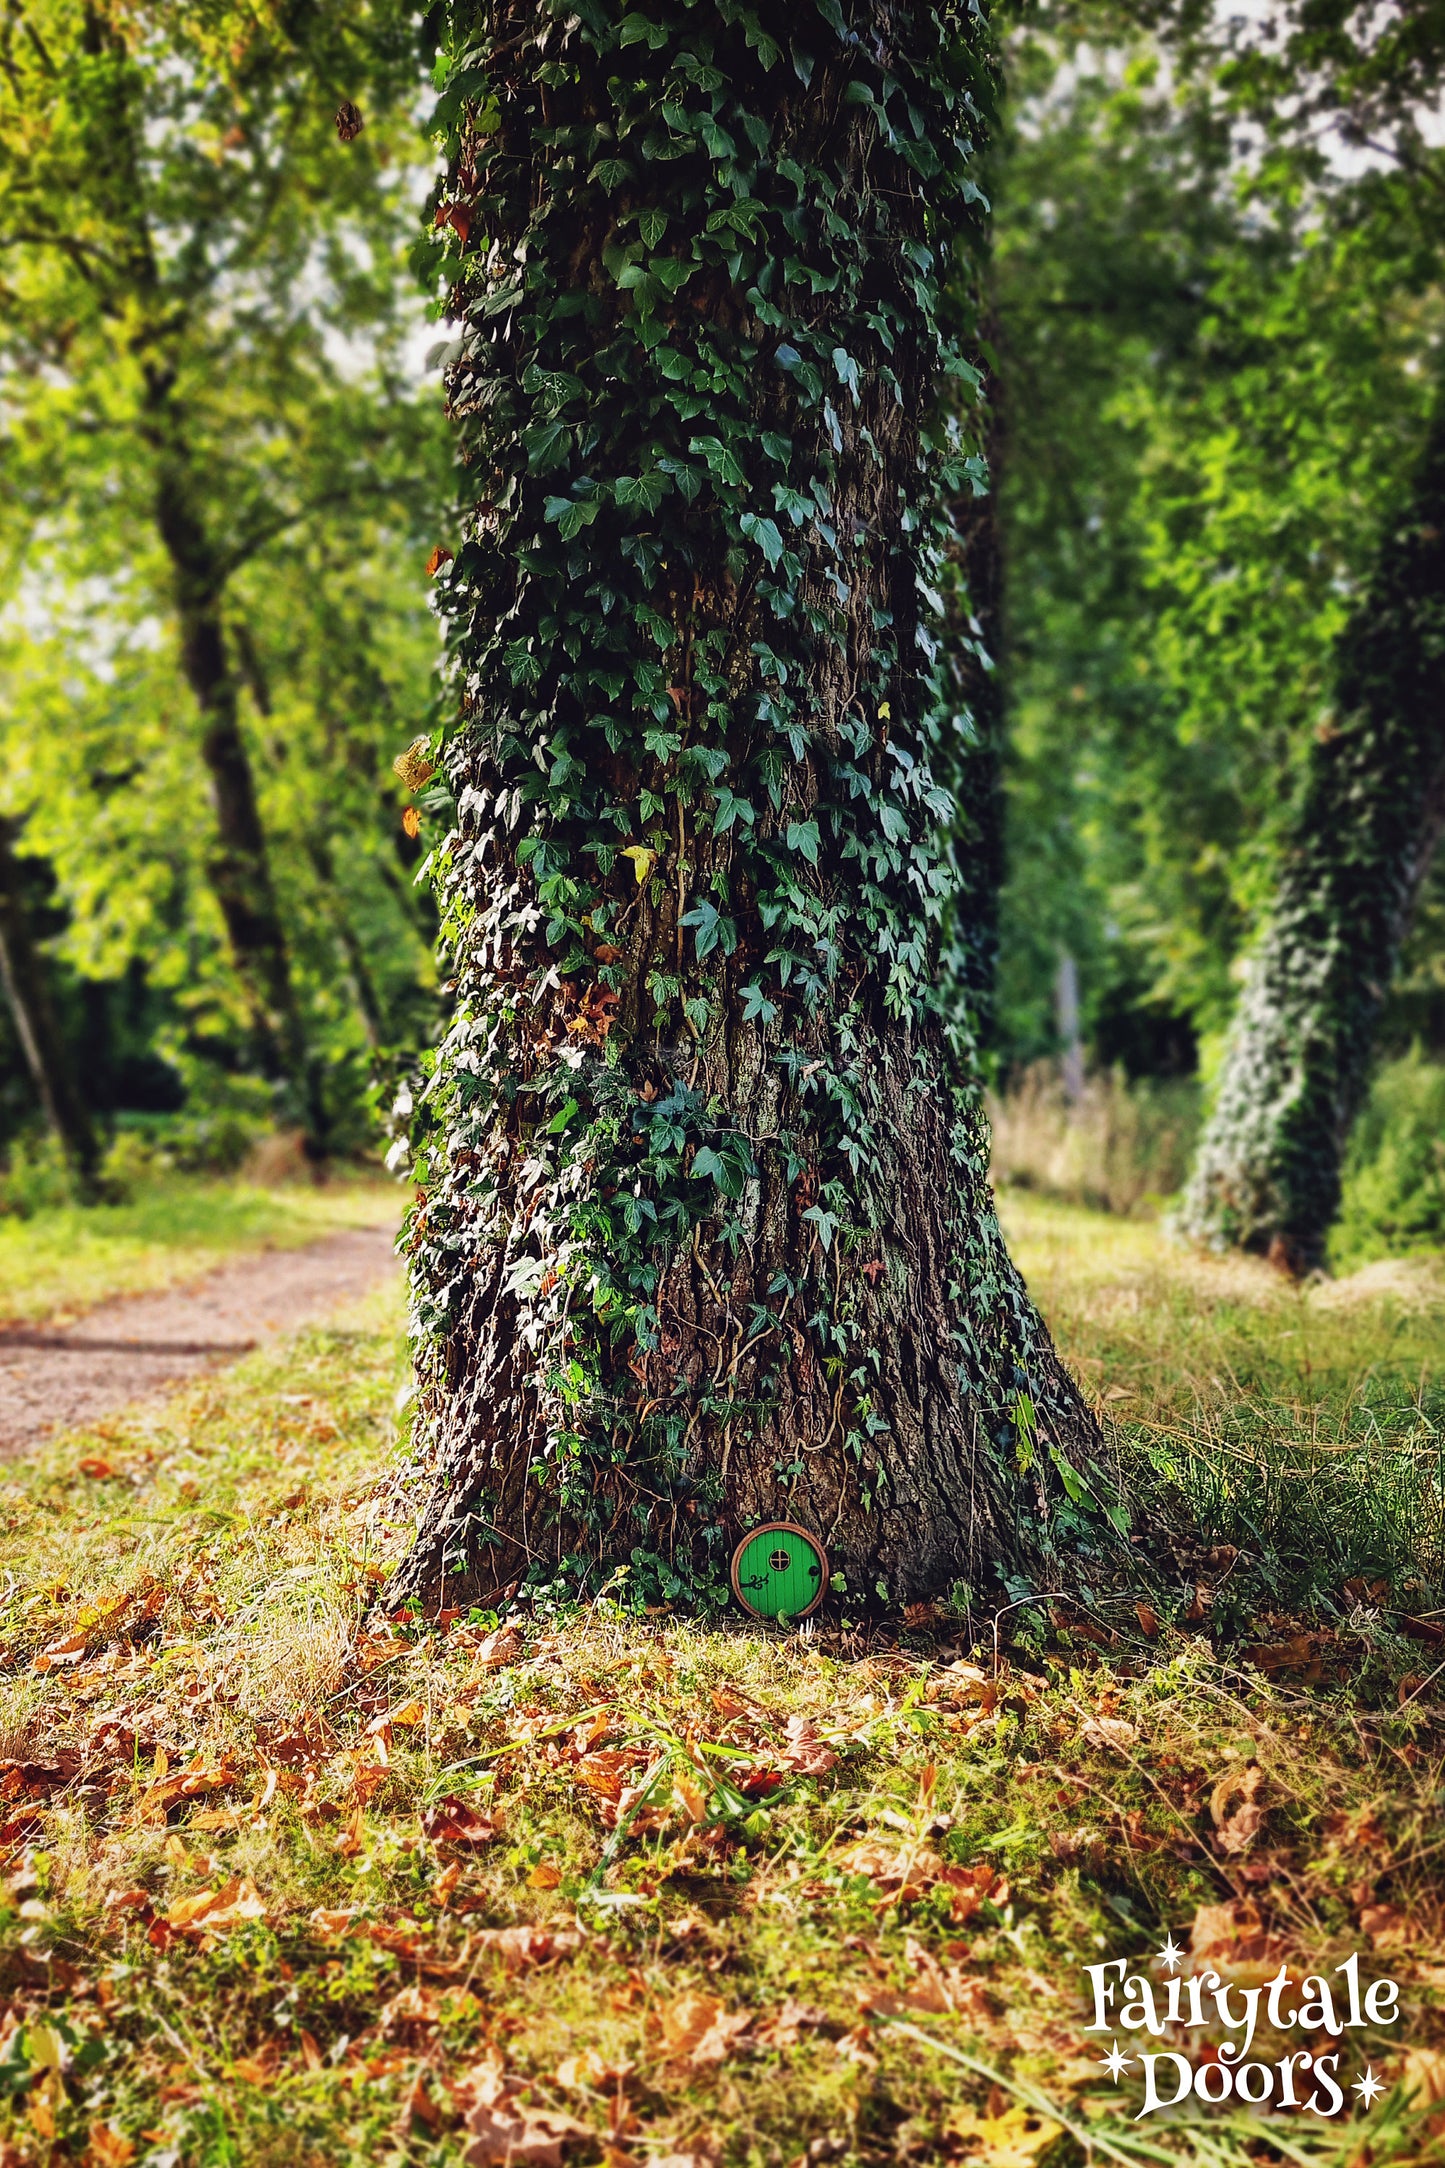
(697, 330)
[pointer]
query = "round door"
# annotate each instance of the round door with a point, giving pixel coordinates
(779, 1571)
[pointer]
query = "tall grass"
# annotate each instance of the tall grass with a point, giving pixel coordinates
(1121, 1148)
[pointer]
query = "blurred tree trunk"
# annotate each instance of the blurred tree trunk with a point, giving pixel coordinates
(1297, 1064)
(708, 1239)
(27, 990)
(238, 865)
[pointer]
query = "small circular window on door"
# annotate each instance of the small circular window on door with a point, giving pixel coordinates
(779, 1571)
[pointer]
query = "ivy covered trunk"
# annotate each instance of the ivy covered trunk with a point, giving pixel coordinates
(705, 1236)
(1297, 1064)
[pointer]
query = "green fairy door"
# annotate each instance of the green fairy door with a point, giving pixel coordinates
(777, 1570)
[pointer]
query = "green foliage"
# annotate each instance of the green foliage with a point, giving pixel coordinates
(1394, 1172)
(1220, 373)
(702, 767)
(204, 319)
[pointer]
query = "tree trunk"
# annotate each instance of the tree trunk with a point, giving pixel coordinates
(47, 1057)
(707, 1238)
(1297, 1064)
(238, 865)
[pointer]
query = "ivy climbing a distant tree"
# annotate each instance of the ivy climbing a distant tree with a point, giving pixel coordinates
(1369, 820)
(705, 1237)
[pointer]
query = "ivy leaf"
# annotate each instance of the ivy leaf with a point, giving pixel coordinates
(647, 489)
(723, 463)
(756, 1006)
(637, 29)
(766, 535)
(713, 930)
(547, 446)
(803, 836)
(652, 225)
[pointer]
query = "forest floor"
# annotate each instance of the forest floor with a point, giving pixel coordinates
(288, 1882)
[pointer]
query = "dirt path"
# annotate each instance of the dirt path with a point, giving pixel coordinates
(60, 1377)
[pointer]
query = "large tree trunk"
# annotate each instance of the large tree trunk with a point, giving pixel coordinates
(707, 1237)
(46, 1055)
(1297, 1064)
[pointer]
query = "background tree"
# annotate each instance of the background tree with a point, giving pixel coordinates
(202, 335)
(1227, 365)
(707, 1235)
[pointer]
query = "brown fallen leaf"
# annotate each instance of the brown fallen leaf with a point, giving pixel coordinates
(587, 2072)
(522, 1947)
(544, 1876)
(699, 2029)
(452, 1821)
(231, 1905)
(1111, 1731)
(786, 2025)
(1233, 1932)
(501, 2139)
(1387, 1927)
(1238, 1808)
(806, 1752)
(108, 2147)
(1148, 1619)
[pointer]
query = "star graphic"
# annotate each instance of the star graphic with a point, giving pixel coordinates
(1369, 2088)
(1170, 1955)
(1115, 2062)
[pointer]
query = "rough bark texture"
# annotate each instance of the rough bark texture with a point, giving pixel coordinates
(707, 1237)
(26, 989)
(1297, 1065)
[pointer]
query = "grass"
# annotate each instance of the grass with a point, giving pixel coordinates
(289, 1883)
(67, 1258)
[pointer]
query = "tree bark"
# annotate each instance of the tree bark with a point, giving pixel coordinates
(1297, 1065)
(46, 1054)
(238, 865)
(707, 1238)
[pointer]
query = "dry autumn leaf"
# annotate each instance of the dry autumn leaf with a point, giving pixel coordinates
(1387, 1927)
(643, 860)
(411, 821)
(108, 2148)
(415, 765)
(452, 1821)
(437, 559)
(699, 2029)
(1237, 1808)
(1233, 1933)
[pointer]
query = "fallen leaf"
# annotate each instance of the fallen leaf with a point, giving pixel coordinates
(1148, 1619)
(1234, 1932)
(1012, 2139)
(1423, 2074)
(501, 2139)
(806, 1752)
(699, 2029)
(587, 2072)
(1237, 1809)
(98, 1470)
(785, 2027)
(108, 2149)
(1110, 1731)
(452, 1821)
(521, 1947)
(1387, 1927)
(544, 1876)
